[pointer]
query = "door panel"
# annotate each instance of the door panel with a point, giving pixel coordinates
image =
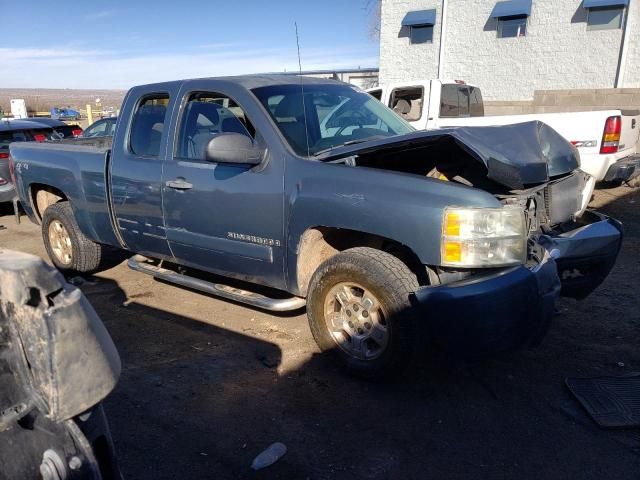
(136, 179)
(229, 222)
(224, 218)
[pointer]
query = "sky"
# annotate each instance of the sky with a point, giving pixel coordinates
(118, 44)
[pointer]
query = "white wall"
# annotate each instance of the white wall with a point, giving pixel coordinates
(399, 60)
(557, 53)
(632, 71)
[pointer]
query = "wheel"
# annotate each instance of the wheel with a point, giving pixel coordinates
(359, 310)
(66, 245)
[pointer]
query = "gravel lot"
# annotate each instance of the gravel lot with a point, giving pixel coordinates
(206, 385)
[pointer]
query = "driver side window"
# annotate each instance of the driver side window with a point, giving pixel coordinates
(205, 115)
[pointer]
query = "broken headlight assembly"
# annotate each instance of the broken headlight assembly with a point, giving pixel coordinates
(483, 237)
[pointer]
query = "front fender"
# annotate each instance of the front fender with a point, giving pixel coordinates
(404, 208)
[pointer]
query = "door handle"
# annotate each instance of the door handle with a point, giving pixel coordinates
(179, 184)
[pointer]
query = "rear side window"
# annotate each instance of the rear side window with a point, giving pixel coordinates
(407, 102)
(148, 124)
(476, 105)
(460, 101)
(449, 101)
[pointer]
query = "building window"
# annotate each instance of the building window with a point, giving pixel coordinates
(512, 26)
(605, 18)
(421, 34)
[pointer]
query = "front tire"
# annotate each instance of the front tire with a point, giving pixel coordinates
(359, 310)
(67, 247)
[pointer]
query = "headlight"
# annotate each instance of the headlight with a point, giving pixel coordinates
(483, 237)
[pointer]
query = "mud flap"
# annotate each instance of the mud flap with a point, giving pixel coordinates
(585, 255)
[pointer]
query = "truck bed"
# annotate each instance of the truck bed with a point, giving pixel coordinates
(81, 172)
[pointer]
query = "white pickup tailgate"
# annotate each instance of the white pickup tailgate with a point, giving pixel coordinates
(630, 133)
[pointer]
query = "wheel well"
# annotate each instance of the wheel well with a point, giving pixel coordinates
(321, 243)
(44, 195)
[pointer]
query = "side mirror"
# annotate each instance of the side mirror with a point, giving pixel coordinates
(233, 148)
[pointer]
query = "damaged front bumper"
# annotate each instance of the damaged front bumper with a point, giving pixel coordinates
(512, 308)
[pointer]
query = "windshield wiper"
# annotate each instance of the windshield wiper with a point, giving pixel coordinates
(350, 142)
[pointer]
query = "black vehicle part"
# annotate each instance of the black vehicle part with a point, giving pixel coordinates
(57, 363)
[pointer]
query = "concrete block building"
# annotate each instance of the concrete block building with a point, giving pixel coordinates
(513, 48)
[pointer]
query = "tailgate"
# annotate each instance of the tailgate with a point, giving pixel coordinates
(630, 130)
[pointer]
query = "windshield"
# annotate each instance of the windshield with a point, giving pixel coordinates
(329, 117)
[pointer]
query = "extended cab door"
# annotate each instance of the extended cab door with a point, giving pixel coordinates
(220, 217)
(138, 150)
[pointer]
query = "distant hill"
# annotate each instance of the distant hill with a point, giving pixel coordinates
(42, 99)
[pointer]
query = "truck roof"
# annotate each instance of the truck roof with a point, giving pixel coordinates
(252, 81)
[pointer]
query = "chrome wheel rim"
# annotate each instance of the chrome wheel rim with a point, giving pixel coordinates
(356, 321)
(60, 242)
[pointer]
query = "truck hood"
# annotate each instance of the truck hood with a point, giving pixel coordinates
(515, 156)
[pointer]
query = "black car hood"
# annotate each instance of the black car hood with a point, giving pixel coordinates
(515, 156)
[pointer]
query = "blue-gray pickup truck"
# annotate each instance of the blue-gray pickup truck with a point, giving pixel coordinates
(280, 192)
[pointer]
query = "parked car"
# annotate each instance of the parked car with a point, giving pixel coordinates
(469, 233)
(17, 131)
(100, 128)
(65, 113)
(607, 139)
(64, 130)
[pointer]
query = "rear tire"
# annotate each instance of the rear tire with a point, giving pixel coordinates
(67, 247)
(359, 311)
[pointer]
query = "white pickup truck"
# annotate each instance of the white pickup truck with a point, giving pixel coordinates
(607, 140)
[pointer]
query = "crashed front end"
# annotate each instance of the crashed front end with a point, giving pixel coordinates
(567, 249)
(502, 269)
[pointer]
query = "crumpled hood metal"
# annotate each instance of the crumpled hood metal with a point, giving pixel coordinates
(516, 156)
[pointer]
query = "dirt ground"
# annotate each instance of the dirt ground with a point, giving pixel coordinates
(206, 385)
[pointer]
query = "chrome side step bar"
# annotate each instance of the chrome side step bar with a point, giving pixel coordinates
(218, 289)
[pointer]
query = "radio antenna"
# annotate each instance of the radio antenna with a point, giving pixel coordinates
(304, 109)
